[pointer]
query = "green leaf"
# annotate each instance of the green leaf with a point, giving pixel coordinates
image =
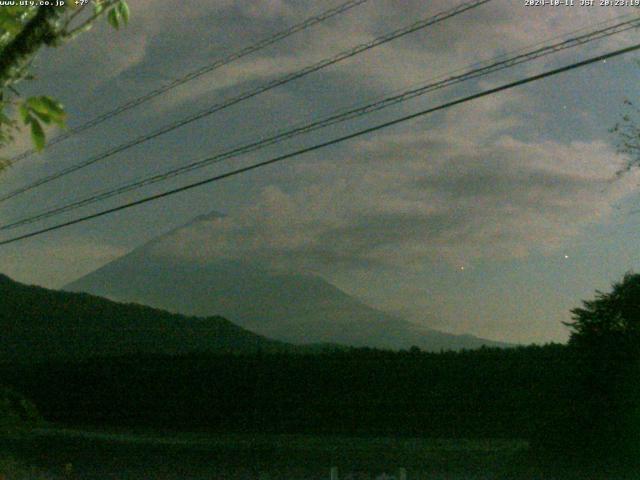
(52, 105)
(123, 10)
(36, 104)
(10, 21)
(113, 17)
(47, 109)
(37, 134)
(44, 118)
(25, 114)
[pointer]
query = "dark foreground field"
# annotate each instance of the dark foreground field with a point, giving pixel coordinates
(363, 411)
(123, 455)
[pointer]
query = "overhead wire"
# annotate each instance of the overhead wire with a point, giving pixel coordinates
(395, 34)
(335, 141)
(218, 63)
(508, 62)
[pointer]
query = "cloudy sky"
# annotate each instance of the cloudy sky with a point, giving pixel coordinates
(494, 217)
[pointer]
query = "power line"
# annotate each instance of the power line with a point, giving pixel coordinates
(509, 62)
(421, 24)
(265, 42)
(328, 143)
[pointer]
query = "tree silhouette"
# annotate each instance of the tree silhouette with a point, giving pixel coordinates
(611, 319)
(627, 130)
(605, 335)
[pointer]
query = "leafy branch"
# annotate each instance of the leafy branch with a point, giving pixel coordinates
(628, 133)
(23, 32)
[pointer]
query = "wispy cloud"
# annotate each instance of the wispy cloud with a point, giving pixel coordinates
(478, 193)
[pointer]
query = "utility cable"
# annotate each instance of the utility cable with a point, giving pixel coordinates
(328, 143)
(331, 120)
(421, 24)
(265, 42)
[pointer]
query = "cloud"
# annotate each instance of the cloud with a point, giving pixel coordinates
(401, 198)
(465, 187)
(475, 35)
(109, 53)
(57, 263)
(158, 45)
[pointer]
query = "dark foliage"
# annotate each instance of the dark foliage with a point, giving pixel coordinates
(483, 393)
(603, 421)
(16, 412)
(579, 402)
(611, 321)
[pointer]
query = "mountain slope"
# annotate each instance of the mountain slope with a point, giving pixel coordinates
(292, 307)
(41, 324)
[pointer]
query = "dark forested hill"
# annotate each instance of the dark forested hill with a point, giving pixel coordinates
(40, 324)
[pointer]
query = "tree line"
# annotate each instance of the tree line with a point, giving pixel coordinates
(579, 400)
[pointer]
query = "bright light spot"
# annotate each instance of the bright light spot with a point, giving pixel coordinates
(461, 268)
(566, 256)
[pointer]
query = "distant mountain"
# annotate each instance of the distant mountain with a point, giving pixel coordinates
(39, 324)
(291, 307)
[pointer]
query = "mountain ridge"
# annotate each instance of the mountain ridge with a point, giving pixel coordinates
(289, 306)
(40, 324)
